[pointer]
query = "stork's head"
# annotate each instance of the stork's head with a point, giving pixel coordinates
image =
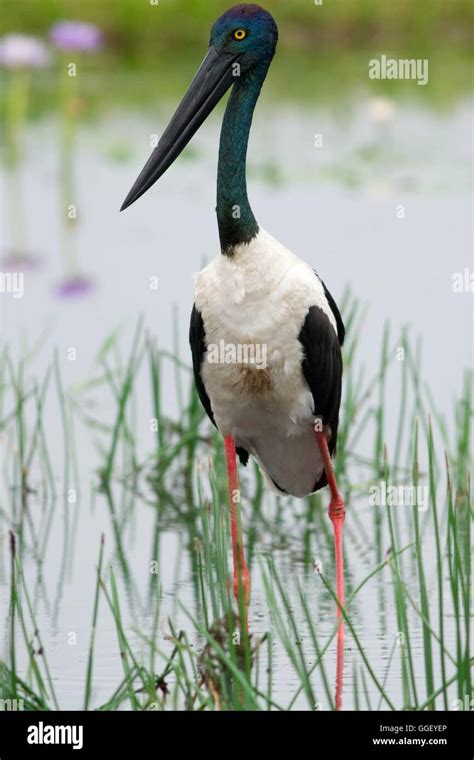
(247, 31)
(242, 40)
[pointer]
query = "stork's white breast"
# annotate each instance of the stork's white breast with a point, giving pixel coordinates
(260, 296)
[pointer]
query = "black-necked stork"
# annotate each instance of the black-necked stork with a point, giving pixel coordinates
(283, 412)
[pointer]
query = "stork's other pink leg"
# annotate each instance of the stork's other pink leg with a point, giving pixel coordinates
(336, 514)
(241, 573)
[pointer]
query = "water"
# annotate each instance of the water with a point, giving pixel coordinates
(340, 208)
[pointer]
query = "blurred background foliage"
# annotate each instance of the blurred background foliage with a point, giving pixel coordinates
(131, 30)
(323, 49)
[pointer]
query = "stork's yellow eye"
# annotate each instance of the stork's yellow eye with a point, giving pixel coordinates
(240, 34)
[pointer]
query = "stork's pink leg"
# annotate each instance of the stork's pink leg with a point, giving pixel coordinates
(336, 514)
(241, 573)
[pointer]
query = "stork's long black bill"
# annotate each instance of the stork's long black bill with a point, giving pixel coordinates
(214, 77)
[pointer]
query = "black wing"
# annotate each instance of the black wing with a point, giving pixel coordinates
(341, 330)
(322, 366)
(197, 341)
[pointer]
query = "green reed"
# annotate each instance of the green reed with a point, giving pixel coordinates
(201, 658)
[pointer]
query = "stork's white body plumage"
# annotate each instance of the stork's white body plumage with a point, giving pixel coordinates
(260, 297)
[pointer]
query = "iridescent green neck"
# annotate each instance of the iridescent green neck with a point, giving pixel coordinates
(235, 218)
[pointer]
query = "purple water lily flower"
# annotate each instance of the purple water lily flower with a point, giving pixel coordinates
(75, 286)
(76, 35)
(16, 261)
(22, 51)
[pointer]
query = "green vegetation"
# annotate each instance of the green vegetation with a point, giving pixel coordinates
(209, 662)
(150, 51)
(135, 29)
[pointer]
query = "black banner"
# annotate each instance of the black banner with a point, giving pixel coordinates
(381, 734)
